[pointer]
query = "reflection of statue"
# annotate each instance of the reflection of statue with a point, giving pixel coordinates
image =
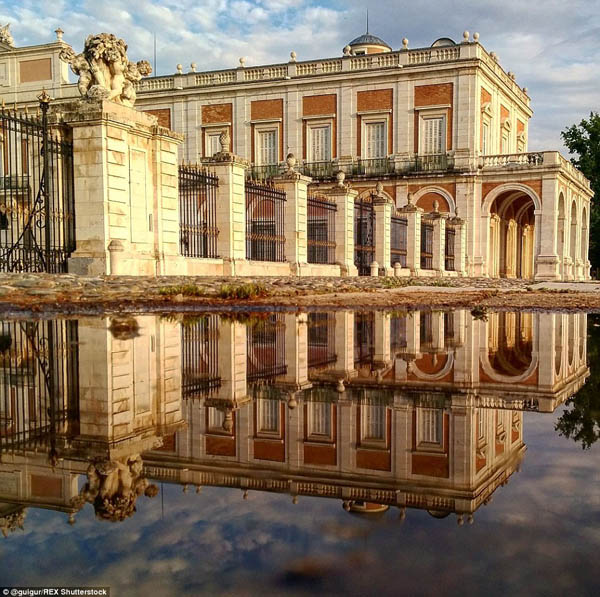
(6, 36)
(113, 487)
(104, 70)
(11, 522)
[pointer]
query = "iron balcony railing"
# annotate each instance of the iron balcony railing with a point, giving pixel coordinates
(320, 170)
(432, 163)
(372, 167)
(263, 172)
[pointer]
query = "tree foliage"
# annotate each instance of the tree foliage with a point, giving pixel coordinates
(580, 420)
(583, 141)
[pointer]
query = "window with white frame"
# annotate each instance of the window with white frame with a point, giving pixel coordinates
(373, 422)
(212, 145)
(268, 416)
(429, 427)
(319, 421)
(216, 418)
(375, 136)
(267, 147)
(504, 147)
(485, 137)
(319, 143)
(433, 135)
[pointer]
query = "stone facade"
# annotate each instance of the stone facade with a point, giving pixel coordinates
(446, 123)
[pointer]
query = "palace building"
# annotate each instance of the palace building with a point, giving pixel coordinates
(443, 129)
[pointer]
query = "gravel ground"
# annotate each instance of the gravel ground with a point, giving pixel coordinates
(70, 293)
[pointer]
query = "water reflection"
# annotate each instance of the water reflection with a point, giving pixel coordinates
(377, 410)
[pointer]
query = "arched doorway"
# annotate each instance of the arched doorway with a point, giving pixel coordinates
(511, 244)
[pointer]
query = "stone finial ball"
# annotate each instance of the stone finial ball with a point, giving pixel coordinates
(292, 403)
(379, 187)
(525, 90)
(475, 36)
(340, 177)
(436, 205)
(347, 50)
(179, 68)
(242, 60)
(293, 55)
(193, 66)
(404, 42)
(466, 36)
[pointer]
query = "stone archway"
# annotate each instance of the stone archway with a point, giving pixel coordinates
(425, 197)
(511, 232)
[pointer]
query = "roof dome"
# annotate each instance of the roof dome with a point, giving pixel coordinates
(366, 39)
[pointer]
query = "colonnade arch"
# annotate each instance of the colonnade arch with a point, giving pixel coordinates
(511, 214)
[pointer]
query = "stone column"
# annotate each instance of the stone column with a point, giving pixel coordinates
(295, 186)
(460, 244)
(382, 354)
(232, 353)
(125, 170)
(546, 224)
(344, 226)
(344, 343)
(296, 352)
(231, 208)
(413, 236)
(439, 239)
(383, 235)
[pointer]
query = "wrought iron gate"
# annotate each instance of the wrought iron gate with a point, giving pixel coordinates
(37, 215)
(364, 235)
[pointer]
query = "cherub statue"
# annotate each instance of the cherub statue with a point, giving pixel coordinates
(6, 36)
(104, 70)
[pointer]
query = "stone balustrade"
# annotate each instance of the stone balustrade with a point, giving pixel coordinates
(513, 159)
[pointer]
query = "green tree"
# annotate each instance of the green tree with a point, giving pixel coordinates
(583, 141)
(580, 420)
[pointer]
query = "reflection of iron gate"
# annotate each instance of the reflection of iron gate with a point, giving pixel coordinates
(39, 384)
(265, 341)
(199, 357)
(37, 216)
(364, 235)
(364, 337)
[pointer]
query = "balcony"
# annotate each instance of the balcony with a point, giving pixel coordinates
(438, 162)
(320, 170)
(371, 167)
(264, 172)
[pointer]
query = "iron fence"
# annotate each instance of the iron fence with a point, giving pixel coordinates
(397, 333)
(433, 163)
(200, 357)
(321, 339)
(37, 212)
(449, 248)
(265, 213)
(398, 249)
(364, 235)
(321, 230)
(426, 245)
(266, 349)
(198, 231)
(364, 337)
(39, 385)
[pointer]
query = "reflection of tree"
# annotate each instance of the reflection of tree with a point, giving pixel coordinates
(581, 419)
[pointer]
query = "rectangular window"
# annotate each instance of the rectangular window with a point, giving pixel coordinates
(268, 415)
(320, 144)
(373, 422)
(319, 420)
(215, 419)
(433, 135)
(485, 138)
(375, 140)
(430, 426)
(504, 148)
(213, 145)
(267, 147)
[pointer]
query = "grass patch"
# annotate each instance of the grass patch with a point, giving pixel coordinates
(183, 289)
(242, 291)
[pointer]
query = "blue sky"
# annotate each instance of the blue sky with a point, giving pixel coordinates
(553, 47)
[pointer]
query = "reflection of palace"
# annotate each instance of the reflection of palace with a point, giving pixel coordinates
(413, 410)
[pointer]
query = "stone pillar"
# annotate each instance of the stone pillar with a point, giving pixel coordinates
(232, 353)
(383, 235)
(382, 354)
(460, 244)
(295, 186)
(344, 343)
(231, 208)
(125, 169)
(546, 223)
(344, 227)
(413, 236)
(439, 239)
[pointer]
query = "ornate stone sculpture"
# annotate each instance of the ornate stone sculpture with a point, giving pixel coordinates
(113, 487)
(104, 70)
(11, 522)
(6, 36)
